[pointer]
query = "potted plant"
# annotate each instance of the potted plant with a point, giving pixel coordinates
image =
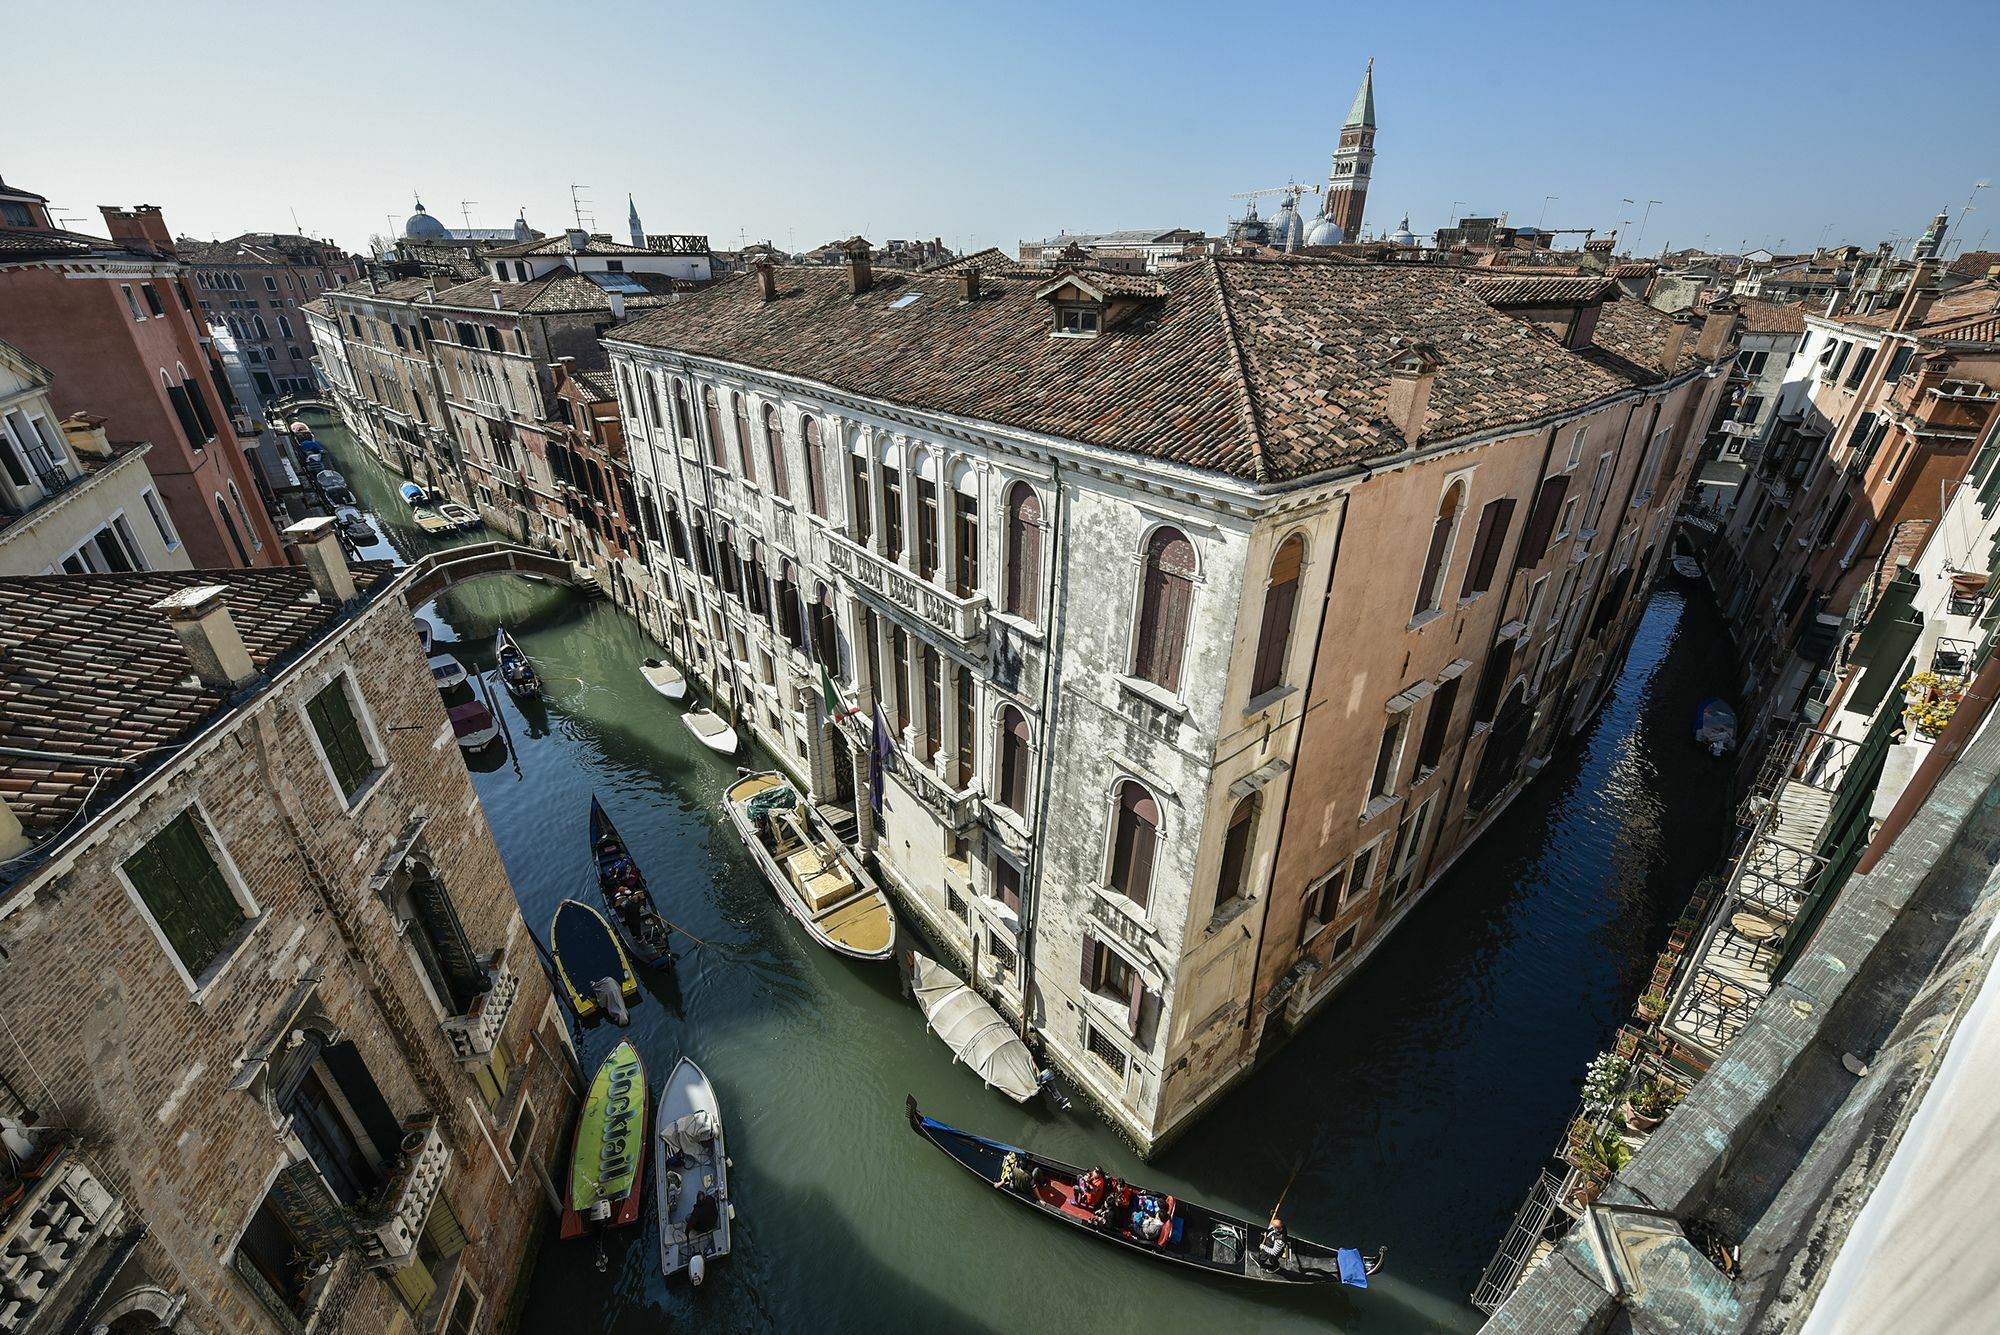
(1604, 1083)
(1652, 1005)
(1680, 934)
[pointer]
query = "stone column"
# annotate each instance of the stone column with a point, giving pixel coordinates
(947, 756)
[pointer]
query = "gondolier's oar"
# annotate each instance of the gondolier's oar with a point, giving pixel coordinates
(682, 930)
(1287, 1191)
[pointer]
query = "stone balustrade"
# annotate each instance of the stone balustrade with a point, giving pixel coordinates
(388, 1238)
(963, 619)
(476, 1033)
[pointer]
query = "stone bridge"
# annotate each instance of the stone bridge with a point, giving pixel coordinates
(293, 402)
(441, 570)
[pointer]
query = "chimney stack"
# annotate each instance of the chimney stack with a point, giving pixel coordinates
(860, 273)
(141, 225)
(86, 435)
(1412, 372)
(498, 305)
(617, 305)
(319, 552)
(209, 636)
(578, 238)
(968, 283)
(13, 839)
(1677, 337)
(1918, 297)
(767, 280)
(1717, 328)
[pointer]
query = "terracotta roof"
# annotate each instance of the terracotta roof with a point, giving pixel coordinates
(1770, 317)
(561, 289)
(1975, 263)
(1261, 369)
(88, 668)
(1635, 269)
(1538, 290)
(603, 386)
(1963, 308)
(54, 243)
(1631, 340)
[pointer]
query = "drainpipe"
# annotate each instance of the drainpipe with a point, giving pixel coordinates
(1031, 888)
(1972, 710)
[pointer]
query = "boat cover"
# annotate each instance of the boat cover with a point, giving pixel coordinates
(763, 804)
(689, 1135)
(974, 1030)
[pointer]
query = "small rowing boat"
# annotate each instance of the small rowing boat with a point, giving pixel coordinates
(607, 1164)
(474, 725)
(711, 731)
(412, 494)
(446, 671)
(458, 516)
(664, 678)
(1153, 1223)
(645, 933)
(516, 672)
(834, 899)
(585, 951)
(430, 521)
(693, 1186)
(973, 1030)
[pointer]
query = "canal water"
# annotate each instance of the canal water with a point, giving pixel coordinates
(1414, 1110)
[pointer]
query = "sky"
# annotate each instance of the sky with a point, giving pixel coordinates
(1781, 124)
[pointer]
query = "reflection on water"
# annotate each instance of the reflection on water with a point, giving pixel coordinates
(1414, 1110)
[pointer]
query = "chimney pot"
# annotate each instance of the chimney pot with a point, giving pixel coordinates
(578, 238)
(968, 282)
(319, 552)
(86, 434)
(1677, 334)
(497, 305)
(767, 280)
(860, 272)
(209, 637)
(1412, 372)
(1716, 331)
(617, 305)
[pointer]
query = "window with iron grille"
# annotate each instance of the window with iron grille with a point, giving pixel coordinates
(339, 733)
(954, 901)
(1003, 954)
(1104, 1049)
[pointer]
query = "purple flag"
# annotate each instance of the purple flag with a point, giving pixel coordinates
(880, 758)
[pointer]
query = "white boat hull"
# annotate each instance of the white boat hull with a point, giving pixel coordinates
(447, 671)
(788, 894)
(676, 1184)
(712, 732)
(666, 679)
(974, 1031)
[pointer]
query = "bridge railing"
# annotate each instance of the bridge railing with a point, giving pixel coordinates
(441, 570)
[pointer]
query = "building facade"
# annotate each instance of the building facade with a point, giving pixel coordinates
(256, 286)
(282, 1059)
(1136, 743)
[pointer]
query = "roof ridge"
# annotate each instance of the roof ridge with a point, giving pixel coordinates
(1248, 400)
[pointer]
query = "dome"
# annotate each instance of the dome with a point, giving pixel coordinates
(423, 227)
(1287, 229)
(1403, 236)
(1324, 232)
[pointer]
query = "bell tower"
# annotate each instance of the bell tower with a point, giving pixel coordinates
(1347, 187)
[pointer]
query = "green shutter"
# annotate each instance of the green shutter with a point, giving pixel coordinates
(439, 918)
(183, 887)
(443, 1231)
(332, 715)
(415, 1285)
(308, 1208)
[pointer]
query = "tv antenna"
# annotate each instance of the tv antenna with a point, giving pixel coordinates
(465, 211)
(576, 203)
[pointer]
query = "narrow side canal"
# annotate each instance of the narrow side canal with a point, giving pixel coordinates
(1415, 1108)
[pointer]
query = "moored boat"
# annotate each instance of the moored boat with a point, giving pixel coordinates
(474, 725)
(817, 881)
(458, 516)
(412, 494)
(1154, 1223)
(586, 950)
(712, 731)
(665, 678)
(607, 1167)
(1686, 567)
(1715, 727)
(516, 672)
(430, 521)
(693, 1187)
(354, 526)
(973, 1030)
(645, 933)
(424, 634)
(446, 671)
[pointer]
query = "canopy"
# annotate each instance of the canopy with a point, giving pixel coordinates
(974, 1030)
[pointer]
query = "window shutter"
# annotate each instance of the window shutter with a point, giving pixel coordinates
(1138, 1001)
(443, 1229)
(184, 410)
(307, 1206)
(182, 886)
(1274, 636)
(1493, 523)
(200, 406)
(1542, 524)
(1088, 979)
(439, 918)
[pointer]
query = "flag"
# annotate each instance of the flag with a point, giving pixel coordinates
(836, 709)
(880, 757)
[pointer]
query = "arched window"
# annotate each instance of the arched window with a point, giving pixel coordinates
(826, 641)
(774, 451)
(1166, 592)
(1232, 882)
(683, 417)
(258, 321)
(790, 624)
(1135, 837)
(244, 515)
(1281, 596)
(702, 561)
(726, 562)
(1439, 556)
(743, 438)
(815, 466)
(1024, 552)
(711, 413)
(1013, 776)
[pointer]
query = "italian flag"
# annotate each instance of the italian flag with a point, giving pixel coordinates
(836, 708)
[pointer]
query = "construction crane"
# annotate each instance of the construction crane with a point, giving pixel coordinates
(1291, 189)
(1585, 232)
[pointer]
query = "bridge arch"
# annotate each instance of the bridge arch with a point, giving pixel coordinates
(442, 570)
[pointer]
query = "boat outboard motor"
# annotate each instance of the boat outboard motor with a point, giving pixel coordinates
(611, 1000)
(1051, 1091)
(600, 1210)
(697, 1268)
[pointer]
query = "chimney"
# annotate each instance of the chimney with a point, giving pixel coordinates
(86, 435)
(1918, 297)
(1716, 330)
(497, 304)
(578, 238)
(968, 283)
(13, 839)
(1412, 372)
(141, 226)
(860, 274)
(565, 371)
(1677, 337)
(320, 554)
(767, 280)
(617, 305)
(209, 637)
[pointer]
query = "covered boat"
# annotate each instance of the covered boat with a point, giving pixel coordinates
(973, 1030)
(354, 526)
(830, 894)
(1156, 1224)
(516, 672)
(424, 634)
(474, 725)
(412, 494)
(333, 486)
(458, 516)
(645, 933)
(607, 1164)
(446, 671)
(664, 678)
(1686, 567)
(586, 950)
(711, 731)
(693, 1186)
(1715, 727)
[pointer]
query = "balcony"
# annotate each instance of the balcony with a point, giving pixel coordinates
(476, 1033)
(958, 811)
(387, 1228)
(963, 619)
(56, 1211)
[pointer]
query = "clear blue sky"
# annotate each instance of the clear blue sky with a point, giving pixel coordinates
(807, 122)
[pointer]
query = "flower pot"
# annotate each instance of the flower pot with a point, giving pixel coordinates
(1678, 941)
(413, 1141)
(1588, 1191)
(1637, 1120)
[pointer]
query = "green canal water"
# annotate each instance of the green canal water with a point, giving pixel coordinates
(1415, 1109)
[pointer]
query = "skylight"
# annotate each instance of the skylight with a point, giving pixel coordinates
(907, 299)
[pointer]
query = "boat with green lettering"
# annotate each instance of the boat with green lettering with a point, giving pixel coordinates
(607, 1164)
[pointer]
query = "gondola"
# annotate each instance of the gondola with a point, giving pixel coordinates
(831, 894)
(693, 1187)
(516, 672)
(586, 951)
(645, 933)
(607, 1168)
(1190, 1235)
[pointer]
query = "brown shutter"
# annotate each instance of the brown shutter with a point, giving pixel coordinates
(1493, 522)
(1088, 977)
(1427, 586)
(1132, 854)
(1274, 636)
(1542, 523)
(1138, 1000)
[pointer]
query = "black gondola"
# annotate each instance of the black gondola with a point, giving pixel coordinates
(645, 933)
(1187, 1234)
(516, 672)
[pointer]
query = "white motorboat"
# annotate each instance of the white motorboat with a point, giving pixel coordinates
(973, 1030)
(1686, 567)
(458, 516)
(424, 634)
(665, 678)
(816, 879)
(692, 1187)
(474, 725)
(354, 526)
(447, 671)
(710, 730)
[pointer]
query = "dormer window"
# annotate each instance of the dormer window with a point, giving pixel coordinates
(1078, 319)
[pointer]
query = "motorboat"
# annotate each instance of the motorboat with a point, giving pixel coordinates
(607, 1163)
(1686, 567)
(816, 879)
(1153, 1223)
(458, 516)
(665, 678)
(333, 486)
(646, 935)
(354, 526)
(516, 672)
(692, 1188)
(424, 635)
(712, 731)
(474, 725)
(412, 494)
(1715, 727)
(430, 521)
(446, 671)
(973, 1030)
(586, 951)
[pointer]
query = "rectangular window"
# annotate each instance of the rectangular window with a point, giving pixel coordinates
(1007, 883)
(152, 299)
(492, 1079)
(1860, 370)
(1344, 943)
(1436, 724)
(464, 1311)
(1104, 1050)
(1576, 446)
(927, 528)
(892, 513)
(1323, 900)
(339, 732)
(1362, 874)
(1493, 523)
(858, 510)
(966, 728)
(965, 540)
(1388, 758)
(183, 886)
(933, 703)
(270, 283)
(131, 302)
(1542, 521)
(899, 645)
(523, 1137)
